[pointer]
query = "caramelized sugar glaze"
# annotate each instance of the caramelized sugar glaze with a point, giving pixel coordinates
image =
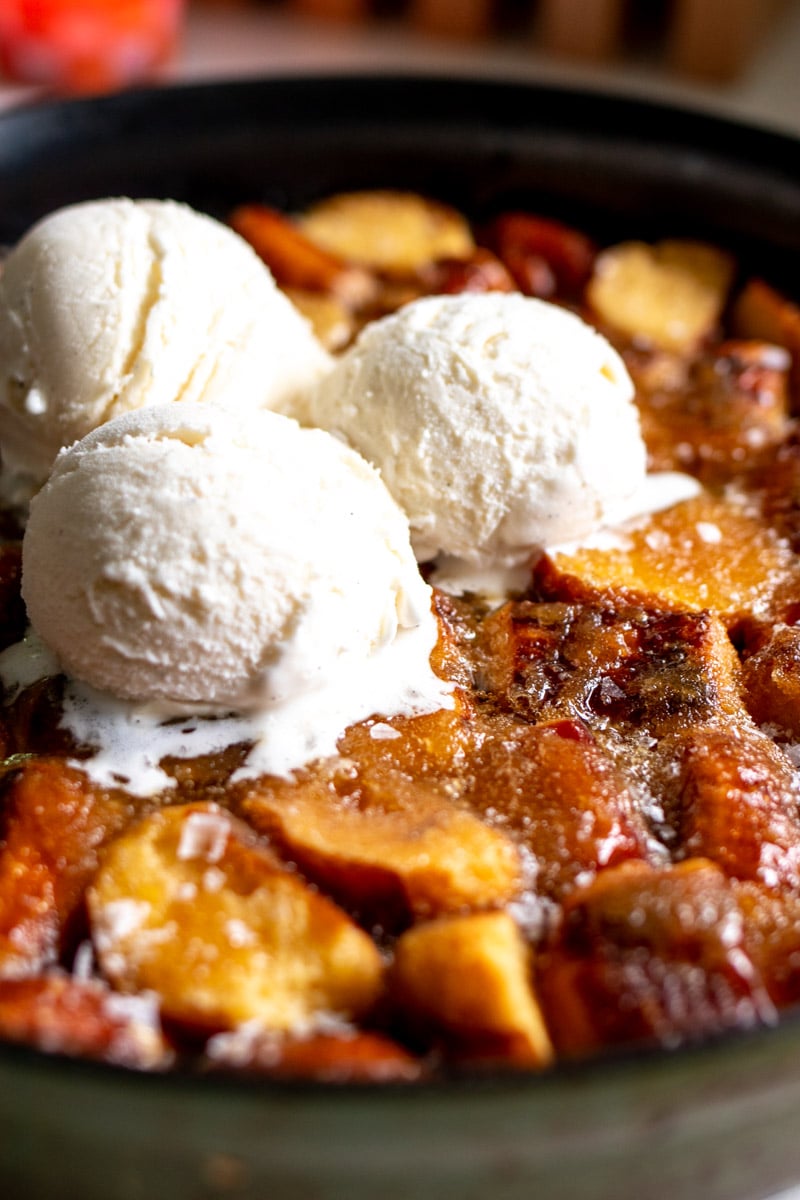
(599, 845)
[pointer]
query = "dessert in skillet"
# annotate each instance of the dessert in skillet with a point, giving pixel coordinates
(277, 800)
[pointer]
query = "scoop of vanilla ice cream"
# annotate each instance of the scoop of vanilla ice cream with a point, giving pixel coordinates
(114, 305)
(210, 561)
(499, 423)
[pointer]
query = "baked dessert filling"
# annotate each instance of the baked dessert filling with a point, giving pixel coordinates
(585, 833)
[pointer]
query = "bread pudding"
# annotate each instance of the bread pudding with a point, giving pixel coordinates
(595, 843)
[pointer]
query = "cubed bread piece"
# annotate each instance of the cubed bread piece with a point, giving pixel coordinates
(775, 481)
(466, 981)
(771, 681)
(298, 262)
(189, 905)
(545, 257)
(643, 670)
(428, 745)
(564, 799)
(389, 847)
(669, 295)
(345, 1056)
(732, 405)
(434, 742)
(54, 823)
(393, 232)
(736, 803)
(706, 553)
(481, 272)
(654, 955)
(67, 1016)
(763, 312)
(772, 937)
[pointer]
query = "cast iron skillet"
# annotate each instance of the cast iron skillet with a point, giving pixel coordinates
(717, 1121)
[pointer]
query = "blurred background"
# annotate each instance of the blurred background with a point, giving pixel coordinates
(739, 57)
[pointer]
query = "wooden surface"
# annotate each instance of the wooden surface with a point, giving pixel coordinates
(335, 10)
(457, 18)
(585, 28)
(716, 38)
(713, 39)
